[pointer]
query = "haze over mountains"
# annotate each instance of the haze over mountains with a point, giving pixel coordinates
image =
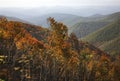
(60, 43)
(28, 50)
(37, 14)
(92, 29)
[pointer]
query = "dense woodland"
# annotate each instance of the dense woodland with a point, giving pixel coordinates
(102, 31)
(107, 38)
(31, 53)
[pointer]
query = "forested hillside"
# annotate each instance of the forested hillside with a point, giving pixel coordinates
(83, 29)
(31, 53)
(107, 38)
(90, 24)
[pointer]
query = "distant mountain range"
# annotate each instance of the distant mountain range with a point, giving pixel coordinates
(93, 29)
(14, 19)
(67, 19)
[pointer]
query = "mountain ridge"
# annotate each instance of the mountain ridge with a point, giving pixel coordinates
(105, 37)
(96, 23)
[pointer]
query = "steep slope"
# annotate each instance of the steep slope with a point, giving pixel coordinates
(112, 47)
(93, 23)
(112, 17)
(106, 38)
(35, 31)
(84, 28)
(20, 34)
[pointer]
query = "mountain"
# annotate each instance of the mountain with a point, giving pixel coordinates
(20, 33)
(92, 23)
(84, 28)
(112, 46)
(14, 19)
(112, 17)
(29, 52)
(106, 38)
(67, 19)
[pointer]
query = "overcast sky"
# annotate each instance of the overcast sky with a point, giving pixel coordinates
(39, 3)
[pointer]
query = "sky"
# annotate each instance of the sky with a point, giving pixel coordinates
(40, 3)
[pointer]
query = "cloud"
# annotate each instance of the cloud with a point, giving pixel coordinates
(38, 3)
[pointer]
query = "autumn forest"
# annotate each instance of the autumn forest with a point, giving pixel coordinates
(33, 53)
